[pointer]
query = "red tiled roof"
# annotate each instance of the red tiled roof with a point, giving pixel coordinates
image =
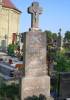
(9, 4)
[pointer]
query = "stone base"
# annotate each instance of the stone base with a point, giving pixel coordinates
(50, 98)
(34, 86)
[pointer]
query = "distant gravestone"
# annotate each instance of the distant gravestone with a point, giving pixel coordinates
(64, 85)
(3, 45)
(36, 80)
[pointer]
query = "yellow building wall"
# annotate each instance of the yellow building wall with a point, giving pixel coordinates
(9, 23)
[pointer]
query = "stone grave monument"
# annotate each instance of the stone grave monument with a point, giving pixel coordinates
(36, 81)
(64, 86)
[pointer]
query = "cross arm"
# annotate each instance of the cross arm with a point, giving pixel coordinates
(30, 10)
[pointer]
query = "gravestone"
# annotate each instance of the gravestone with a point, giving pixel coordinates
(36, 81)
(64, 91)
(4, 45)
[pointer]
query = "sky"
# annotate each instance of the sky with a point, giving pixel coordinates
(55, 15)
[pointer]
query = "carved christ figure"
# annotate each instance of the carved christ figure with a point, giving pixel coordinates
(35, 18)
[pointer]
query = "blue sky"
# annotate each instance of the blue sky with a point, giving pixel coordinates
(56, 14)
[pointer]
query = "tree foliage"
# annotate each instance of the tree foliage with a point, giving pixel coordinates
(67, 35)
(48, 35)
(9, 91)
(11, 48)
(59, 57)
(63, 63)
(54, 36)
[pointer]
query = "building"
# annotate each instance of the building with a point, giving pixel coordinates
(9, 22)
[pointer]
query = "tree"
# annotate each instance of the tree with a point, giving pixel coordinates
(67, 35)
(51, 38)
(48, 35)
(67, 40)
(54, 36)
(11, 49)
(62, 63)
(54, 54)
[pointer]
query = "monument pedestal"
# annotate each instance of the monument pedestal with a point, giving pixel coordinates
(35, 86)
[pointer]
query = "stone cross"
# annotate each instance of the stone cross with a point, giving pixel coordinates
(35, 11)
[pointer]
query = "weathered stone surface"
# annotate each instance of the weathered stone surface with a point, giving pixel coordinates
(35, 11)
(64, 90)
(36, 80)
(35, 86)
(35, 63)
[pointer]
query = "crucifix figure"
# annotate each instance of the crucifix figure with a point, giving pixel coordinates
(35, 11)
